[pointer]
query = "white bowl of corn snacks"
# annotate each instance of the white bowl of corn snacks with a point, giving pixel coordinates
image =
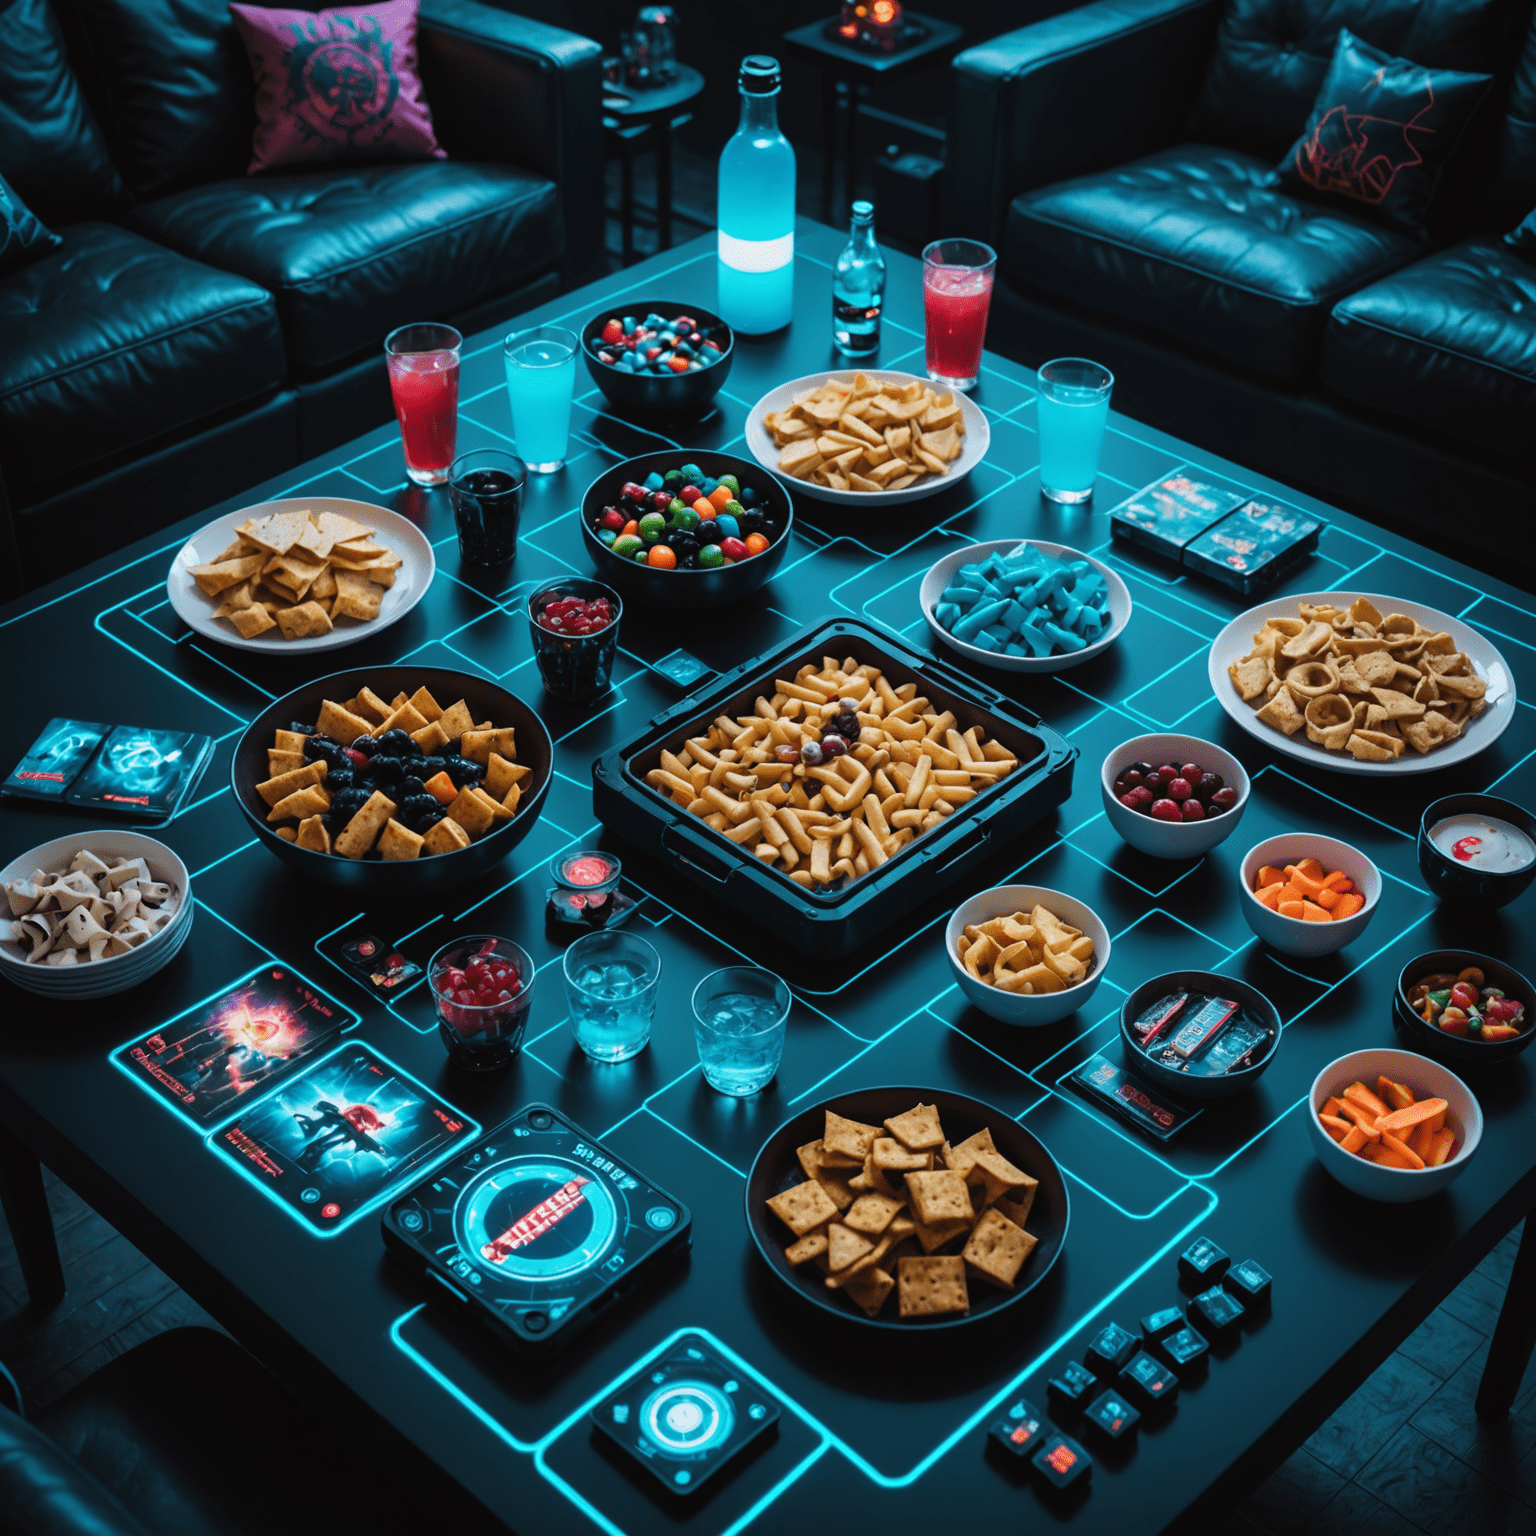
(1361, 682)
(309, 573)
(873, 439)
(1027, 955)
(92, 914)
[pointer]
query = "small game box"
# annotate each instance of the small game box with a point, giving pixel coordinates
(537, 1228)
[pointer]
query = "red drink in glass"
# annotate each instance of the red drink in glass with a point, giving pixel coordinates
(957, 293)
(424, 382)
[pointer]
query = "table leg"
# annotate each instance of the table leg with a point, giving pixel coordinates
(1514, 1334)
(26, 1210)
(663, 132)
(627, 205)
(828, 140)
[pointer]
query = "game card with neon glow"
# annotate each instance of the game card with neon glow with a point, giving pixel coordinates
(341, 1136)
(225, 1053)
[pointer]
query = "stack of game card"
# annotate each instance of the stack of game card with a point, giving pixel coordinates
(124, 770)
(1217, 528)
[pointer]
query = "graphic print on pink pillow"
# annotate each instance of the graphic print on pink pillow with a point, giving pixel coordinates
(336, 84)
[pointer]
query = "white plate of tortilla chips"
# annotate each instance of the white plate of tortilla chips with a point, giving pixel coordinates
(1383, 686)
(309, 573)
(788, 433)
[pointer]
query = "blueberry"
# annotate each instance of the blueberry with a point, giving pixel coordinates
(433, 765)
(340, 778)
(410, 785)
(752, 519)
(707, 533)
(300, 728)
(387, 770)
(461, 772)
(395, 741)
(367, 745)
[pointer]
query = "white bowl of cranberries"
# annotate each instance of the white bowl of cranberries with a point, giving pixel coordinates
(1173, 797)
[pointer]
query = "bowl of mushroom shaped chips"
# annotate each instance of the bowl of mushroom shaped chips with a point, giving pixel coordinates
(92, 913)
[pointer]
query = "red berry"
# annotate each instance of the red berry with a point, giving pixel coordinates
(1139, 799)
(1208, 785)
(1167, 810)
(733, 549)
(1224, 799)
(1193, 810)
(1192, 772)
(1129, 800)
(1180, 789)
(356, 756)
(1130, 778)
(1167, 774)
(611, 518)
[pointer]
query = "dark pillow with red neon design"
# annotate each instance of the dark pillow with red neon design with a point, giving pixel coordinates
(1380, 133)
(339, 84)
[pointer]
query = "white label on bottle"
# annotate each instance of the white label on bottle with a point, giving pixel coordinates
(757, 255)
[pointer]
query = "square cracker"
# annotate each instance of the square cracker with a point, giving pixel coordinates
(871, 1214)
(276, 533)
(357, 597)
(851, 1138)
(455, 720)
(808, 1157)
(939, 1196)
(837, 1183)
(869, 1289)
(806, 1248)
(252, 621)
(501, 775)
(223, 574)
(471, 812)
(398, 842)
(934, 1236)
(997, 1249)
(340, 724)
(962, 1156)
(891, 1157)
(803, 1207)
(918, 1129)
(999, 1177)
(930, 1287)
(845, 1246)
(445, 836)
(358, 835)
(303, 622)
(341, 528)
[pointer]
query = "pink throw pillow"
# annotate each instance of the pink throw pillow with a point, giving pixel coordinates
(336, 84)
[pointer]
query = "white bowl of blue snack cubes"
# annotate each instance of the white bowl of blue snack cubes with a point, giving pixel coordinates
(1024, 606)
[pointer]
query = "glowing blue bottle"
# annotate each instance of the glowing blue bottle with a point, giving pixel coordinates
(757, 209)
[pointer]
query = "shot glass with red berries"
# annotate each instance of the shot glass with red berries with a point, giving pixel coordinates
(483, 988)
(575, 626)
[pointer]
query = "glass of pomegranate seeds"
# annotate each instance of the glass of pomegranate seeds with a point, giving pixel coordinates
(575, 628)
(483, 988)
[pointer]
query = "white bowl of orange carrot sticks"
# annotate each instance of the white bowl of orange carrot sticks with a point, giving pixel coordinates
(1308, 895)
(1393, 1126)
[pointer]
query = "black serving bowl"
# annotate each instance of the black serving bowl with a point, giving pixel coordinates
(777, 1168)
(1185, 1085)
(657, 588)
(1451, 880)
(440, 873)
(1429, 1040)
(659, 395)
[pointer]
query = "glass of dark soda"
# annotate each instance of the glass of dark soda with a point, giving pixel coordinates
(486, 489)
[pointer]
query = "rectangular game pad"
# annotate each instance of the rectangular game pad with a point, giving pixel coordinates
(54, 759)
(341, 1137)
(536, 1226)
(225, 1053)
(686, 1415)
(138, 772)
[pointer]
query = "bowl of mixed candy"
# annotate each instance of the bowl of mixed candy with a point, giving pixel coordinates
(1463, 1007)
(657, 357)
(679, 530)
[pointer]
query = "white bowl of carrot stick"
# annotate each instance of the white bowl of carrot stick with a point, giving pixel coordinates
(1391, 1125)
(1308, 895)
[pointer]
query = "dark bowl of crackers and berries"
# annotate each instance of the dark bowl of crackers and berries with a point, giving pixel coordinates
(901, 1208)
(394, 780)
(1463, 1008)
(658, 358)
(686, 530)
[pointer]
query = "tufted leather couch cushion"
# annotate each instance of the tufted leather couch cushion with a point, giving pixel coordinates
(110, 341)
(350, 254)
(51, 150)
(1193, 242)
(1450, 342)
(1271, 57)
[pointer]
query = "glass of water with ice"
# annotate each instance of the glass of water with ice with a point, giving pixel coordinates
(611, 983)
(739, 1016)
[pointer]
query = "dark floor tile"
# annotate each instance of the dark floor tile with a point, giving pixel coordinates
(1290, 1499)
(1450, 1420)
(1373, 1414)
(1441, 1344)
(1476, 1301)
(1354, 1512)
(1425, 1483)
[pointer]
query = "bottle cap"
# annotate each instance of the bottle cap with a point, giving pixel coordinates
(863, 210)
(759, 75)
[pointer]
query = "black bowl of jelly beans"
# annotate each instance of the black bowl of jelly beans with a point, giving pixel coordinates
(669, 359)
(672, 556)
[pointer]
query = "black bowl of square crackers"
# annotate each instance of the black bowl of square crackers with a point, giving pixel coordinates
(902, 1208)
(394, 781)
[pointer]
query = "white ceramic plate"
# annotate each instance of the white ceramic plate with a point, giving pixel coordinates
(940, 572)
(977, 439)
(1236, 640)
(398, 533)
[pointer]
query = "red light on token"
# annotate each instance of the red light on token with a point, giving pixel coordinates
(1061, 1459)
(330, 1210)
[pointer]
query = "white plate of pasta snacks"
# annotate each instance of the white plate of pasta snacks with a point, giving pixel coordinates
(1362, 682)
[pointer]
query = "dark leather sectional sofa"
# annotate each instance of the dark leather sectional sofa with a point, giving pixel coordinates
(1117, 157)
(199, 329)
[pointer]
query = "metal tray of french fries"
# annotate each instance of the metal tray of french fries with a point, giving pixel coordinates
(719, 808)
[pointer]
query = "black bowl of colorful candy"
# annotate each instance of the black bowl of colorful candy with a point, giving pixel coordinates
(1464, 1008)
(1197, 1034)
(396, 766)
(574, 622)
(680, 530)
(656, 357)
